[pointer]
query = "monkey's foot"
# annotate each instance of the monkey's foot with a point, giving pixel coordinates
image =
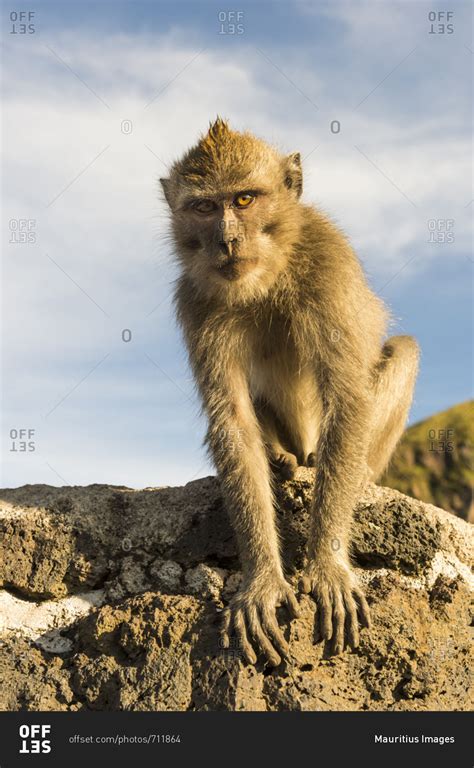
(252, 613)
(284, 464)
(341, 604)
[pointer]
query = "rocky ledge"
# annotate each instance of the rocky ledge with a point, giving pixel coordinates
(111, 600)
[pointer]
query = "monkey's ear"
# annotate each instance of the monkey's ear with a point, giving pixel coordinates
(165, 185)
(294, 173)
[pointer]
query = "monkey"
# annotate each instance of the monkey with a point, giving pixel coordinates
(286, 341)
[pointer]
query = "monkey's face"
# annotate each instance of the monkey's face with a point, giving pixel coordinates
(234, 213)
(228, 234)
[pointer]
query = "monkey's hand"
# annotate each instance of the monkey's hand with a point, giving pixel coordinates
(341, 604)
(252, 612)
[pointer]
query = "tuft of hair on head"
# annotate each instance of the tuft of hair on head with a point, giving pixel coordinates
(198, 161)
(212, 143)
(218, 131)
(211, 149)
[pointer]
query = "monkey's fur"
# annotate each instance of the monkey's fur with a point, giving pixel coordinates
(285, 339)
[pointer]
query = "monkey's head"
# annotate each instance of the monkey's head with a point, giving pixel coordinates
(235, 210)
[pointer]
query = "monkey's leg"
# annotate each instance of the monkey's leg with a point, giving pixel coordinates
(235, 439)
(341, 466)
(364, 420)
(281, 461)
(393, 392)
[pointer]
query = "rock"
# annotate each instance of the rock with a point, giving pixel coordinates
(205, 582)
(111, 600)
(166, 575)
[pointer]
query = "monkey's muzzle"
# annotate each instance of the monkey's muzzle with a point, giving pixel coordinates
(234, 268)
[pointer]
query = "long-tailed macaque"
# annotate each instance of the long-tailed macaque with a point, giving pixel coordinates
(286, 342)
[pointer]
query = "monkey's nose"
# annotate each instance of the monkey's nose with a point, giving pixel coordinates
(226, 246)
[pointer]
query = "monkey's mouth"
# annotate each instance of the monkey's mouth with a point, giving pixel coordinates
(235, 267)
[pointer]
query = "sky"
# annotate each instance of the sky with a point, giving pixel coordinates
(99, 98)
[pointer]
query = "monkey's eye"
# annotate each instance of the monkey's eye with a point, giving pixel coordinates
(244, 200)
(204, 206)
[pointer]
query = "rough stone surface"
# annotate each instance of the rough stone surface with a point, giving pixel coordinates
(112, 598)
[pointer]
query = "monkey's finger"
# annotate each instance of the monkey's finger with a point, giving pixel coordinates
(325, 613)
(245, 647)
(225, 628)
(292, 604)
(339, 616)
(363, 608)
(259, 635)
(352, 621)
(269, 651)
(270, 626)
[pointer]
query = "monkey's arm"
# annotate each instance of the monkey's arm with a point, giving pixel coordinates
(237, 448)
(341, 466)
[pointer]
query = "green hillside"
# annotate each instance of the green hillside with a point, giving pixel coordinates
(433, 461)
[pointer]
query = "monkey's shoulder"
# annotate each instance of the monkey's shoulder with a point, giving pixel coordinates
(323, 246)
(324, 266)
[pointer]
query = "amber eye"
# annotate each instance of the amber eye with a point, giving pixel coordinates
(204, 206)
(244, 200)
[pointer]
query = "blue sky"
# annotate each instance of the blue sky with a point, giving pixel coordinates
(84, 185)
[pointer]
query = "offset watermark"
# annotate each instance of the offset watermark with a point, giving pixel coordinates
(441, 649)
(441, 440)
(23, 22)
(231, 230)
(231, 23)
(232, 649)
(233, 439)
(126, 126)
(441, 231)
(22, 440)
(441, 22)
(22, 231)
(35, 739)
